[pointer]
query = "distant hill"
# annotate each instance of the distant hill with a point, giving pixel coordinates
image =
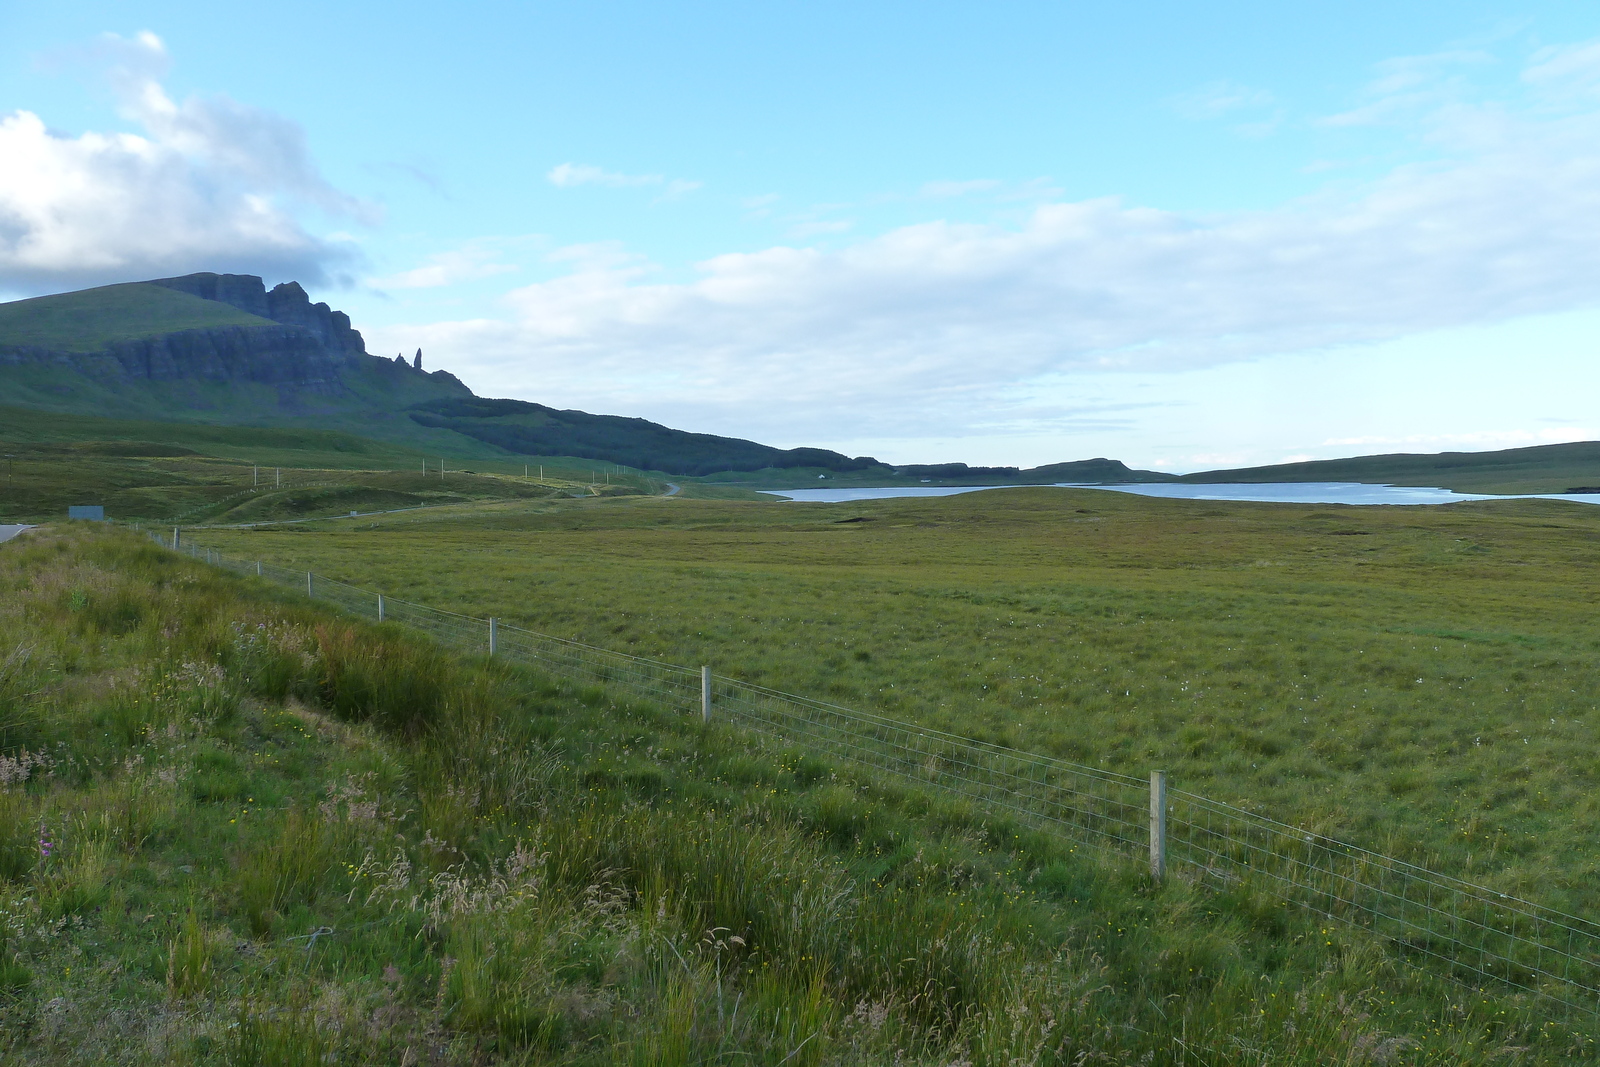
(94, 320)
(533, 429)
(1087, 471)
(223, 349)
(213, 348)
(1535, 469)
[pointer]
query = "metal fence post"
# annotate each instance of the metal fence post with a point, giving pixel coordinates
(494, 634)
(705, 694)
(309, 588)
(1158, 825)
(380, 607)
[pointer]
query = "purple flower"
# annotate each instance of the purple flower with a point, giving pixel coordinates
(45, 844)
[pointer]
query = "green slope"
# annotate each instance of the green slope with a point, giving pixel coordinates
(22, 429)
(91, 319)
(1537, 469)
(533, 429)
(191, 473)
(373, 404)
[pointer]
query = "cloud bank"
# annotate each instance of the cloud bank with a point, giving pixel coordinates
(946, 320)
(210, 184)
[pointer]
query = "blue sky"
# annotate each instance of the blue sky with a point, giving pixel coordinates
(1182, 235)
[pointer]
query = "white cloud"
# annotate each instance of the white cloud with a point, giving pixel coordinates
(1407, 85)
(759, 207)
(679, 187)
(817, 227)
(473, 261)
(1217, 99)
(574, 175)
(209, 185)
(943, 190)
(1570, 71)
(938, 322)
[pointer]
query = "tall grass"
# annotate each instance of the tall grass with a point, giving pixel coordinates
(1418, 680)
(368, 851)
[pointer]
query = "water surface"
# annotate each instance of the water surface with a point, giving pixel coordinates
(1265, 492)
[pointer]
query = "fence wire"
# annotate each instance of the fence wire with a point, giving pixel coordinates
(1469, 933)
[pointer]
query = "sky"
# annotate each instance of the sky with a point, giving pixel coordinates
(1185, 236)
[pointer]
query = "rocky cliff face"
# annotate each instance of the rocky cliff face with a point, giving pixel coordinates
(305, 349)
(287, 356)
(286, 303)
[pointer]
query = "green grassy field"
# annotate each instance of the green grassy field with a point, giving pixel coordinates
(237, 830)
(167, 472)
(91, 319)
(1418, 680)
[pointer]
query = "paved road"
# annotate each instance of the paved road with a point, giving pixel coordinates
(673, 489)
(8, 532)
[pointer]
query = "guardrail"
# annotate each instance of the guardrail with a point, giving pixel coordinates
(1470, 933)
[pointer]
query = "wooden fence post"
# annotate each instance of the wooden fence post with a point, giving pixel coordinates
(1158, 825)
(380, 607)
(309, 588)
(494, 634)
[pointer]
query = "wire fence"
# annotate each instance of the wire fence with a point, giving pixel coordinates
(1468, 933)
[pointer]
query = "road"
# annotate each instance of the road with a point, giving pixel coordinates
(8, 532)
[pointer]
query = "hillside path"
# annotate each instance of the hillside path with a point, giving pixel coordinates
(8, 532)
(673, 489)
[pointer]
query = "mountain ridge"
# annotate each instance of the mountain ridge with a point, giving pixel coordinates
(223, 349)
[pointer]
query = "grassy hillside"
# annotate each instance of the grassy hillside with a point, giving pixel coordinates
(192, 473)
(1417, 680)
(373, 398)
(91, 319)
(370, 399)
(23, 428)
(373, 404)
(1538, 469)
(252, 833)
(533, 429)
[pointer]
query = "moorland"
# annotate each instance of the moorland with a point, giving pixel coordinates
(238, 829)
(1419, 680)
